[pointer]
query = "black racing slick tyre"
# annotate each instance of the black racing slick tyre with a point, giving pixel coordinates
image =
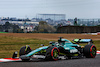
(90, 51)
(52, 53)
(25, 50)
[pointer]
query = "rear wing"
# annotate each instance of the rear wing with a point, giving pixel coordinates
(83, 40)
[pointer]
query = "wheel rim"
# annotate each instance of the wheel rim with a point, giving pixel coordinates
(93, 51)
(55, 53)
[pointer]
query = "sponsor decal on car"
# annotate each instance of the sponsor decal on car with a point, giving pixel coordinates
(73, 51)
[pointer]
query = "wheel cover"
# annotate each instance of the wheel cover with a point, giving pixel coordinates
(93, 51)
(55, 53)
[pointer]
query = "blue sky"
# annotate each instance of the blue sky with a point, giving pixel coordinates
(72, 8)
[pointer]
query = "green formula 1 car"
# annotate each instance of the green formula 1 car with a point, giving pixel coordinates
(61, 49)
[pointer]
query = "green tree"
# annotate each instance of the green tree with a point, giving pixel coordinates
(46, 28)
(42, 23)
(8, 27)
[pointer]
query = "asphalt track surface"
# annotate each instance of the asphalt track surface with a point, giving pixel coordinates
(84, 62)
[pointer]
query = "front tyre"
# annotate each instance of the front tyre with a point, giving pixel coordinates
(25, 50)
(52, 53)
(90, 51)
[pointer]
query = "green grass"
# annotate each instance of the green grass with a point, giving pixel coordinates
(3, 32)
(97, 44)
(10, 44)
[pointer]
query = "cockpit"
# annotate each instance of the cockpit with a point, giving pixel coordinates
(61, 42)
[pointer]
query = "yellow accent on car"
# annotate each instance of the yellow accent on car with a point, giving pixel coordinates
(26, 47)
(75, 54)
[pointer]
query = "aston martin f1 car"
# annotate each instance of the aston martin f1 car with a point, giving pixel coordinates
(56, 50)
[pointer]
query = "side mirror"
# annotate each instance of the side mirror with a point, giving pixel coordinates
(50, 42)
(42, 44)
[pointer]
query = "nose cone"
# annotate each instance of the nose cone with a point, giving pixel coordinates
(24, 57)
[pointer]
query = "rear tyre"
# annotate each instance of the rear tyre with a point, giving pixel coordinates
(90, 51)
(52, 53)
(25, 50)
